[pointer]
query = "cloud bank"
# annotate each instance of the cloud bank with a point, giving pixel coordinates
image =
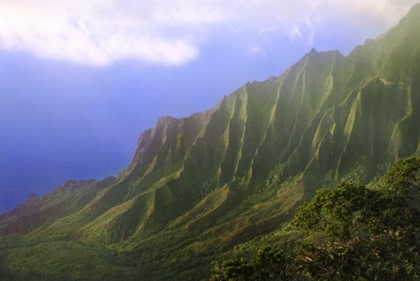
(99, 32)
(169, 32)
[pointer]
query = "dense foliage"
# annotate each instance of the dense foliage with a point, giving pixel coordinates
(269, 264)
(351, 233)
(221, 183)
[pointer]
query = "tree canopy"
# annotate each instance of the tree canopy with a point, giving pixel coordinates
(350, 233)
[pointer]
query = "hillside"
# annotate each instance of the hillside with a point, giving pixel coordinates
(198, 186)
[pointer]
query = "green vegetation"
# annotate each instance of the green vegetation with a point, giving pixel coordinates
(67, 261)
(350, 233)
(219, 184)
(269, 264)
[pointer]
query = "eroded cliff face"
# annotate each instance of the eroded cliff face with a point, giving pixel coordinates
(240, 169)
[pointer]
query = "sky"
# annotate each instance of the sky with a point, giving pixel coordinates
(81, 79)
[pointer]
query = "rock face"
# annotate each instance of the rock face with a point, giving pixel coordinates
(240, 169)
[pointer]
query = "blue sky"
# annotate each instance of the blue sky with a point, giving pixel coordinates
(80, 80)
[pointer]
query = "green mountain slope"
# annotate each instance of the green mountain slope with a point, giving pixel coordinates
(198, 186)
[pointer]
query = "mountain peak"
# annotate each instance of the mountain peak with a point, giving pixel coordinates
(166, 119)
(414, 10)
(32, 196)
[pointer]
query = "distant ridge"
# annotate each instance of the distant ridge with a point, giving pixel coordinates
(199, 186)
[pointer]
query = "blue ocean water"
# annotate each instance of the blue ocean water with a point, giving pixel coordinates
(39, 171)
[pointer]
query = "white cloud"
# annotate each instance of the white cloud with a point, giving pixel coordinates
(312, 32)
(100, 32)
(256, 51)
(295, 33)
(385, 12)
(300, 19)
(235, 29)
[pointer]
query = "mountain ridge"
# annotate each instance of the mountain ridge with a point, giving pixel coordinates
(205, 183)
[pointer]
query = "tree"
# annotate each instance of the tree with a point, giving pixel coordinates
(337, 213)
(404, 177)
(368, 234)
(346, 211)
(352, 233)
(269, 264)
(387, 256)
(404, 174)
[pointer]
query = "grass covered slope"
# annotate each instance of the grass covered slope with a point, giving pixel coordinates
(198, 186)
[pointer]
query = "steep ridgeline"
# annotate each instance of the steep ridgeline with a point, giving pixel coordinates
(37, 211)
(215, 179)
